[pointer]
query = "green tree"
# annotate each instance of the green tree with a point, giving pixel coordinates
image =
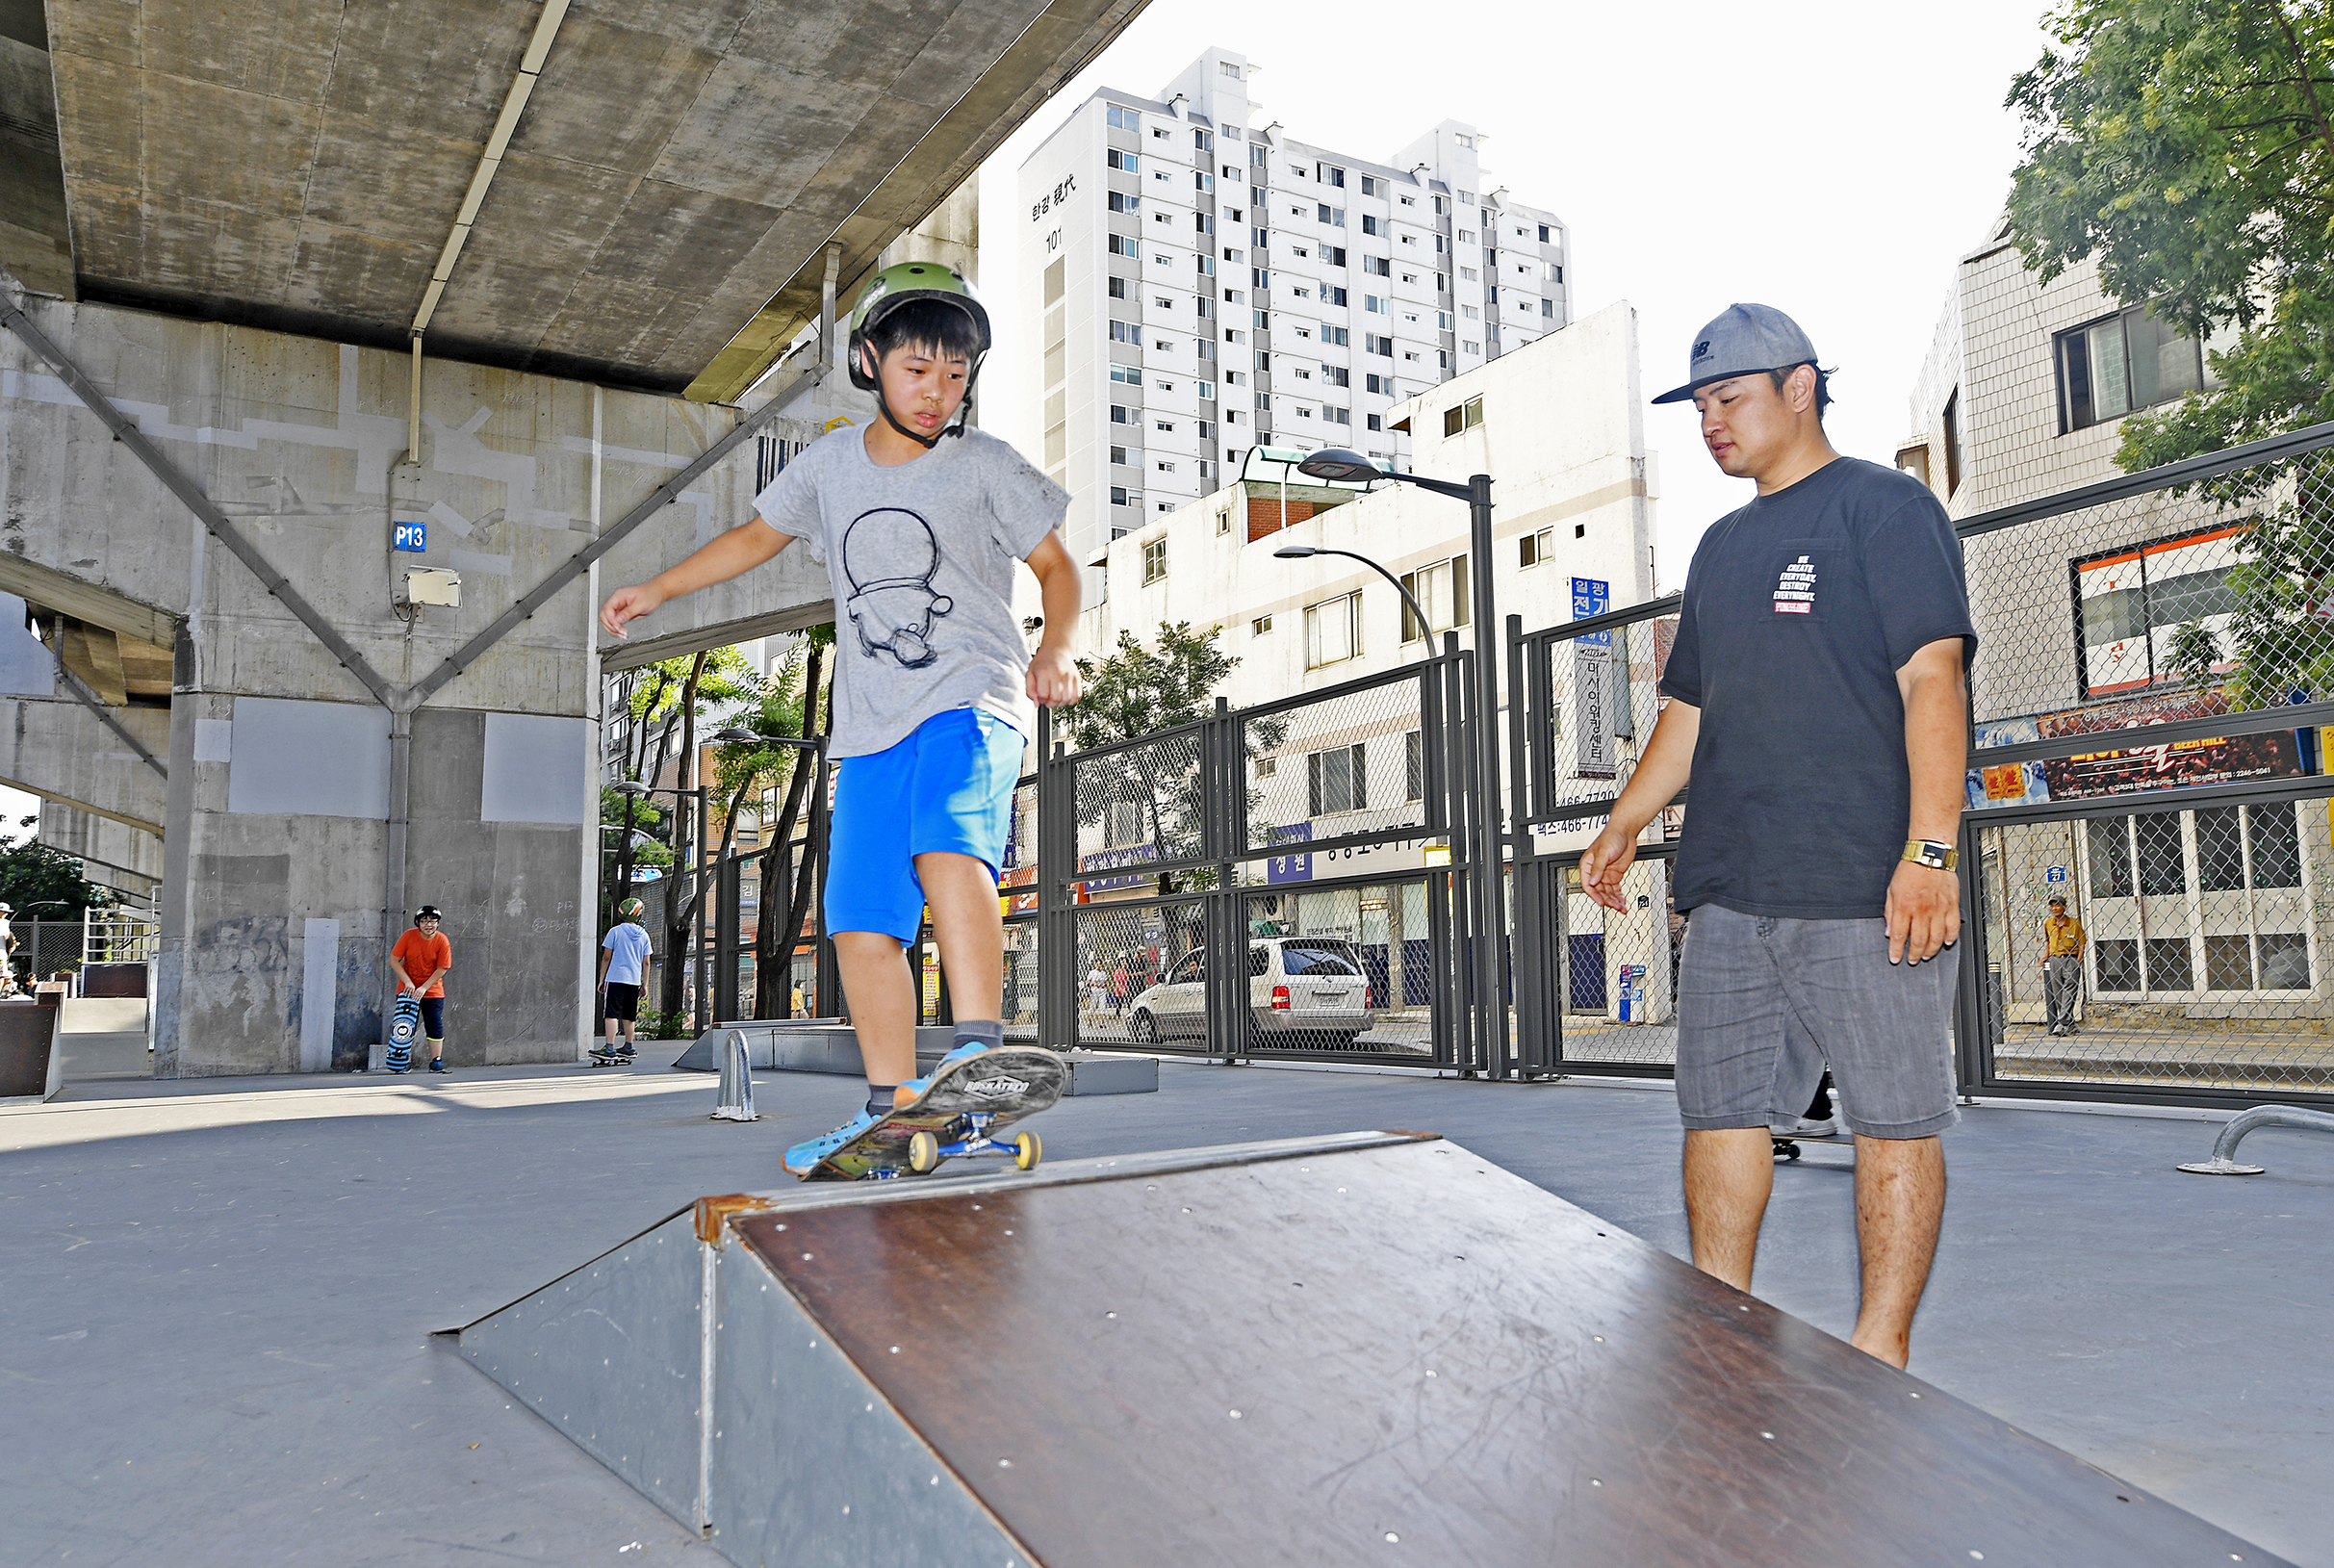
(45, 883)
(1136, 692)
(2189, 145)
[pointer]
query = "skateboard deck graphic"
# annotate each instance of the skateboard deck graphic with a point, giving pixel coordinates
(961, 1111)
(404, 1023)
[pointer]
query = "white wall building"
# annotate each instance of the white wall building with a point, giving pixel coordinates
(1208, 283)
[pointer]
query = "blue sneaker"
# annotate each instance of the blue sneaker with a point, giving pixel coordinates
(913, 1089)
(804, 1157)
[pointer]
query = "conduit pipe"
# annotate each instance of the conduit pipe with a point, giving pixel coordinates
(514, 103)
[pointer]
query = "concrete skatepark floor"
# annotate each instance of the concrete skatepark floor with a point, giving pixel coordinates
(221, 1292)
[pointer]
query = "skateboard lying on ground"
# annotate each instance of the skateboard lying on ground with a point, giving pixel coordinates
(963, 1110)
(405, 1022)
(1787, 1145)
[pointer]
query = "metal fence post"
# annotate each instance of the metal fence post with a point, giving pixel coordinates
(1226, 985)
(1537, 1023)
(1057, 928)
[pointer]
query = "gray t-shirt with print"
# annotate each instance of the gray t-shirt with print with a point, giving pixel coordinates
(922, 559)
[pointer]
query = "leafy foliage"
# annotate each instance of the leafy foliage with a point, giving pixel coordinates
(1137, 692)
(2189, 145)
(45, 883)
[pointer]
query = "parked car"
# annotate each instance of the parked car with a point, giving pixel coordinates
(1303, 992)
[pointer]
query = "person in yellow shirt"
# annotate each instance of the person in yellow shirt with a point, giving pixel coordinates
(2061, 967)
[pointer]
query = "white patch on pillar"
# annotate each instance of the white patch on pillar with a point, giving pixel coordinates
(319, 993)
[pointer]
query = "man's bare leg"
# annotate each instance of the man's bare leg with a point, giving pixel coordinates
(883, 1003)
(965, 917)
(1729, 1173)
(1900, 1203)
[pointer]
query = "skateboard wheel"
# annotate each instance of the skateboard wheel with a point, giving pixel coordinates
(923, 1153)
(1028, 1150)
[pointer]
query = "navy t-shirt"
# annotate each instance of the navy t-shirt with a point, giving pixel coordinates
(1799, 610)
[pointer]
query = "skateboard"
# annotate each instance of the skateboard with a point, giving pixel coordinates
(610, 1059)
(404, 1023)
(963, 1110)
(1787, 1145)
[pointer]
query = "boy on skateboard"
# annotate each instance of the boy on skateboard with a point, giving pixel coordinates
(623, 954)
(420, 960)
(933, 683)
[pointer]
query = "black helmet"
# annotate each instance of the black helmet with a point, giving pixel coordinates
(427, 912)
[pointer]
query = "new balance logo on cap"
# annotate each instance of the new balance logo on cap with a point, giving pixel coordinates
(1745, 338)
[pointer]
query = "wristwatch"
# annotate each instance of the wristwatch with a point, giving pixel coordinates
(1931, 853)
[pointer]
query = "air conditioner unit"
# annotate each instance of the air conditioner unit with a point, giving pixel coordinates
(429, 586)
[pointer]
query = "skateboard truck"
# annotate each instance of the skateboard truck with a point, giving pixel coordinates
(970, 1135)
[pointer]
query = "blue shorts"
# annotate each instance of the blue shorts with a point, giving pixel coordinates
(948, 787)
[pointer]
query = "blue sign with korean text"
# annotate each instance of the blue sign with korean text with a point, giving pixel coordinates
(2056, 873)
(1291, 868)
(1591, 597)
(413, 536)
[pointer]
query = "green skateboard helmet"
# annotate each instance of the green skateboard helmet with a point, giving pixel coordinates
(632, 908)
(903, 284)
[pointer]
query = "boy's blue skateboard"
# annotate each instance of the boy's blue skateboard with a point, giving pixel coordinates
(963, 1110)
(404, 1023)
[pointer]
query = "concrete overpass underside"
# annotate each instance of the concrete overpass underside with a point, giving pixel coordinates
(612, 221)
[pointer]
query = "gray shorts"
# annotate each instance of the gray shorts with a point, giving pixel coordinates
(1764, 1004)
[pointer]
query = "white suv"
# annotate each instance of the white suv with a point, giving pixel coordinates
(1303, 992)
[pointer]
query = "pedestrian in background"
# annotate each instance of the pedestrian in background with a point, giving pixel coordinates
(623, 952)
(420, 959)
(2061, 966)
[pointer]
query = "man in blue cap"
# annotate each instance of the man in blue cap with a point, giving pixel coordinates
(1817, 697)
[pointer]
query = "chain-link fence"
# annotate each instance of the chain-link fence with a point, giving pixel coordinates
(1313, 837)
(45, 948)
(2153, 909)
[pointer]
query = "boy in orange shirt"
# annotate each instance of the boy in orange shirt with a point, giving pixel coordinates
(421, 958)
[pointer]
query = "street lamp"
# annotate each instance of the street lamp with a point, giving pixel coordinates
(1298, 552)
(1339, 463)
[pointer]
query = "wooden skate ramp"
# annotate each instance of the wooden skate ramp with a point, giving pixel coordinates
(1377, 1348)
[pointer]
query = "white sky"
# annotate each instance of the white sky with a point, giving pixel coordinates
(1831, 159)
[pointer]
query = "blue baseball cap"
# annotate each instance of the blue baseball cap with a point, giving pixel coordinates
(1740, 340)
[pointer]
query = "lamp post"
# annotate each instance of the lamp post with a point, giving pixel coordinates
(1298, 552)
(1490, 907)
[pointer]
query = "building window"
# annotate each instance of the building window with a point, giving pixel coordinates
(1117, 289)
(1127, 375)
(1228, 69)
(1331, 294)
(1336, 781)
(1472, 346)
(1257, 155)
(1262, 626)
(1441, 590)
(2128, 599)
(1118, 497)
(1337, 375)
(1953, 444)
(1469, 274)
(1462, 416)
(1202, 141)
(1154, 559)
(1330, 173)
(1223, 520)
(1333, 630)
(1125, 120)
(1371, 343)
(2131, 360)
(1372, 186)
(1128, 161)
(1377, 422)
(1121, 202)
(1534, 548)
(1168, 426)
(1340, 337)
(1335, 216)
(1119, 414)
(1207, 391)
(1547, 307)
(1126, 245)
(1914, 460)
(1165, 467)
(1119, 456)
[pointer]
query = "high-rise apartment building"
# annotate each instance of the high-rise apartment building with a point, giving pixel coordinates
(1206, 284)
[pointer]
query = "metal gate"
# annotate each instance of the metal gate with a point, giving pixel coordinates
(1322, 839)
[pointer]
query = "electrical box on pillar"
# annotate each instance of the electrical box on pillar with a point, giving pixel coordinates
(422, 585)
